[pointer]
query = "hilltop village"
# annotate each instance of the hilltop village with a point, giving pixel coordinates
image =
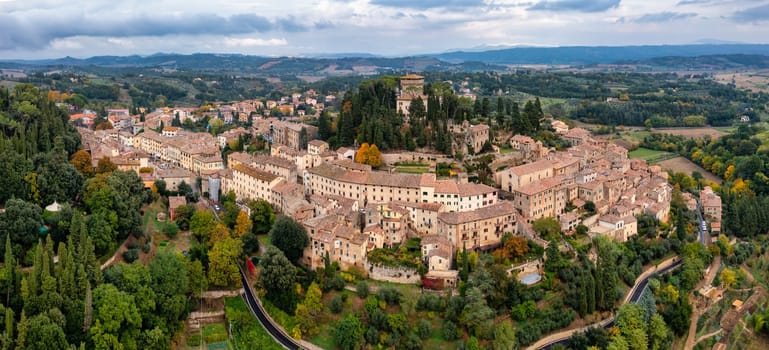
(350, 209)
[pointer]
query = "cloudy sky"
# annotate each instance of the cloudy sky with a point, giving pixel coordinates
(55, 28)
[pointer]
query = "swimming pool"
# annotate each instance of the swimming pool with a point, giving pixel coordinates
(531, 279)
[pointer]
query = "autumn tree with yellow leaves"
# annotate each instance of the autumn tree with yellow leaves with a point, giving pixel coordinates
(369, 155)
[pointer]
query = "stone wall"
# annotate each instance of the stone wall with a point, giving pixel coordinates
(392, 274)
(415, 157)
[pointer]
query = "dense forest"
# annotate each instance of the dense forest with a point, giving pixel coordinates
(368, 115)
(61, 298)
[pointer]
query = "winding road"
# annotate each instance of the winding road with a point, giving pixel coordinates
(633, 295)
(257, 310)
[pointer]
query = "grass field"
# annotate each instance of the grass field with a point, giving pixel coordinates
(412, 170)
(249, 334)
(650, 155)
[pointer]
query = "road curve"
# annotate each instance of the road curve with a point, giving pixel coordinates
(257, 310)
(633, 295)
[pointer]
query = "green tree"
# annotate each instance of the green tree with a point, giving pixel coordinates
(202, 224)
(290, 237)
(116, 317)
(44, 333)
(504, 336)
(21, 221)
(171, 284)
(547, 227)
(102, 227)
(324, 126)
(277, 277)
(262, 216)
(348, 333)
(309, 310)
(222, 262)
(184, 214)
(658, 333)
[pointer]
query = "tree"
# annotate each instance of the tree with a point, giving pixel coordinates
(476, 310)
(102, 227)
(348, 333)
(547, 227)
(202, 224)
(309, 309)
(171, 283)
(277, 277)
(230, 215)
(374, 157)
(184, 189)
(324, 126)
(243, 225)
(21, 221)
(262, 216)
(290, 237)
(658, 333)
(81, 160)
(222, 262)
(116, 317)
(161, 187)
(728, 278)
(362, 154)
(105, 165)
(504, 336)
(184, 214)
(44, 333)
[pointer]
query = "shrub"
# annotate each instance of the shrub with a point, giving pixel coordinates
(132, 245)
(390, 295)
(131, 255)
(147, 247)
(335, 282)
(171, 230)
(362, 289)
(336, 304)
(449, 330)
(424, 329)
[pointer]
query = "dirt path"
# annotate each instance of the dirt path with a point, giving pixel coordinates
(706, 336)
(696, 313)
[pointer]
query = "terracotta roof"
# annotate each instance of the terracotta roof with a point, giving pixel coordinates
(412, 76)
(318, 143)
(500, 209)
(276, 161)
(533, 167)
(255, 173)
(538, 186)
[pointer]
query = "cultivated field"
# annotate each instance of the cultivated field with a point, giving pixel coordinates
(683, 165)
(692, 132)
(756, 81)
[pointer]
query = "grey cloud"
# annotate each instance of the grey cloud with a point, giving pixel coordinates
(753, 14)
(25, 33)
(428, 4)
(693, 2)
(575, 5)
(663, 17)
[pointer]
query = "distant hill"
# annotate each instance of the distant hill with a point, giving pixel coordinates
(585, 55)
(710, 62)
(236, 63)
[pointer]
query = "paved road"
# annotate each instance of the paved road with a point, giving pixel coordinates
(635, 293)
(256, 309)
